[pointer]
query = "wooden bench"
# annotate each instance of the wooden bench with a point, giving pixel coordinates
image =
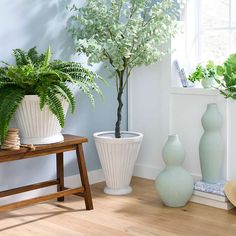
(70, 143)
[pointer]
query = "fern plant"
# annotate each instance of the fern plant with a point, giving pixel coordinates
(36, 74)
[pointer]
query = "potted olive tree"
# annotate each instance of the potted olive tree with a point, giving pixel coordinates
(35, 90)
(123, 34)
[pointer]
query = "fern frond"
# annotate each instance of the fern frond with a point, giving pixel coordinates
(66, 93)
(5, 63)
(3, 74)
(47, 57)
(83, 77)
(10, 98)
(49, 76)
(65, 77)
(84, 88)
(97, 89)
(33, 56)
(21, 57)
(55, 106)
(41, 59)
(42, 93)
(6, 84)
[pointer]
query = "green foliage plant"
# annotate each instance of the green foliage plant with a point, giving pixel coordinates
(124, 34)
(36, 74)
(227, 72)
(204, 72)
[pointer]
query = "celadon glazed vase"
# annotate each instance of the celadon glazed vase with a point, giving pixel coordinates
(211, 147)
(174, 184)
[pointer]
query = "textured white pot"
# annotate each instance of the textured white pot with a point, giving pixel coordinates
(117, 157)
(38, 126)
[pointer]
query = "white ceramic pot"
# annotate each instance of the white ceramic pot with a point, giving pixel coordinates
(208, 83)
(117, 157)
(38, 126)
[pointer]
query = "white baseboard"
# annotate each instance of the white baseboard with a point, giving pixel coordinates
(146, 171)
(151, 172)
(95, 176)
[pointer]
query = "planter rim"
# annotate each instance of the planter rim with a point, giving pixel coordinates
(31, 97)
(99, 135)
(118, 157)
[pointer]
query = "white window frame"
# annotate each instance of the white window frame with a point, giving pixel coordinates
(193, 30)
(200, 30)
(188, 46)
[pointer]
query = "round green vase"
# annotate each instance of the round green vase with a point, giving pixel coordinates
(174, 184)
(211, 147)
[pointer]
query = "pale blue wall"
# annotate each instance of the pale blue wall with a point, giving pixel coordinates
(24, 24)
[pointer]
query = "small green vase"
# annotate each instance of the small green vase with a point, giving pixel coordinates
(174, 184)
(211, 147)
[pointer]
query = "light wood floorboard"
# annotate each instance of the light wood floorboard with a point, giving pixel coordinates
(138, 214)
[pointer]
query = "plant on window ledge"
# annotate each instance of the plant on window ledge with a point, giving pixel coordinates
(36, 74)
(124, 34)
(228, 73)
(206, 74)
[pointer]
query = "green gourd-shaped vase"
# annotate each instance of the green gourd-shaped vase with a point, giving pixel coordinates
(174, 184)
(211, 147)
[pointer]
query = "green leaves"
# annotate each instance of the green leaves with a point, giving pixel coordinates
(47, 57)
(65, 92)
(21, 57)
(220, 70)
(35, 74)
(55, 105)
(124, 33)
(208, 72)
(10, 97)
(31, 57)
(82, 77)
(228, 72)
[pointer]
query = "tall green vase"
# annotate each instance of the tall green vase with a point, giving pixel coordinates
(174, 184)
(211, 147)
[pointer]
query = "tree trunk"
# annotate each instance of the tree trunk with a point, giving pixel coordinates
(119, 109)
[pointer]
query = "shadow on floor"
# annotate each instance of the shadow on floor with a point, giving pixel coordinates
(45, 215)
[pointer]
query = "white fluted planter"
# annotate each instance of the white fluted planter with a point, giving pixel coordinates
(38, 126)
(118, 157)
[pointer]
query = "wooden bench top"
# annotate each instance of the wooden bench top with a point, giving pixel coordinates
(70, 143)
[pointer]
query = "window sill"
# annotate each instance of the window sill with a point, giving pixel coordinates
(195, 91)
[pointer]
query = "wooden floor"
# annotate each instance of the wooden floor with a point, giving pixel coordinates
(140, 213)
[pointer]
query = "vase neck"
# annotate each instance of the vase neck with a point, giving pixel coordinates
(211, 106)
(172, 137)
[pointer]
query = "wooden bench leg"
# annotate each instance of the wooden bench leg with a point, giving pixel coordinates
(60, 174)
(84, 177)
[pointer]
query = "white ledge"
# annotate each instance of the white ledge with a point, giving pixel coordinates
(195, 91)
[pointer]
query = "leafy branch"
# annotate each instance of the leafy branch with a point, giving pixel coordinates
(124, 34)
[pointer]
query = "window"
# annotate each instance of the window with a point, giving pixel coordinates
(217, 29)
(209, 34)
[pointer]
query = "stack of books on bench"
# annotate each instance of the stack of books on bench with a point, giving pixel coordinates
(211, 195)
